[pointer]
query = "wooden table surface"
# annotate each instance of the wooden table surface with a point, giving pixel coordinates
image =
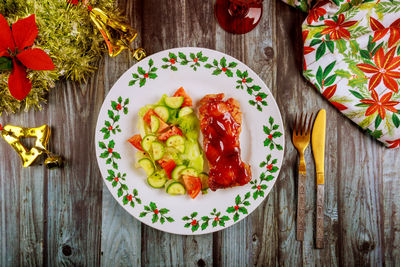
(68, 217)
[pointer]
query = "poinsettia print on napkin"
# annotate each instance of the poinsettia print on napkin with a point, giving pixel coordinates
(352, 56)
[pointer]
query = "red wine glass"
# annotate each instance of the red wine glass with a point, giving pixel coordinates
(238, 16)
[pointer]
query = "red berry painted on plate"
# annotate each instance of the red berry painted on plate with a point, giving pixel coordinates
(195, 59)
(110, 150)
(269, 167)
(110, 128)
(116, 179)
(194, 222)
(146, 75)
(156, 211)
(224, 69)
(258, 98)
(258, 187)
(270, 136)
(216, 219)
(118, 107)
(172, 60)
(236, 207)
(129, 197)
(244, 80)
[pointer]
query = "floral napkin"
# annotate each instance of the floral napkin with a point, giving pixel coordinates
(352, 56)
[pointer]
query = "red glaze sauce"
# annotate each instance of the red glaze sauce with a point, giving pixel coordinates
(222, 148)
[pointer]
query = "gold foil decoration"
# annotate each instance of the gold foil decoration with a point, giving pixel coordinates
(13, 134)
(117, 34)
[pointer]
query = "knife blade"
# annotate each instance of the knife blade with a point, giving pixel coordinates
(318, 147)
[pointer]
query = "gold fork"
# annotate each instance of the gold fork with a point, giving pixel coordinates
(301, 139)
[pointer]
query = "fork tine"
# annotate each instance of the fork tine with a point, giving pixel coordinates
(309, 124)
(300, 128)
(295, 125)
(305, 124)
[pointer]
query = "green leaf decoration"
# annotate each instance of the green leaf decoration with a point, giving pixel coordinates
(320, 51)
(153, 206)
(343, 73)
(396, 120)
(356, 94)
(315, 42)
(230, 210)
(102, 145)
(236, 217)
(319, 75)
(365, 54)
(330, 80)
(330, 46)
(328, 69)
(155, 218)
(237, 200)
(194, 214)
(378, 121)
(357, 82)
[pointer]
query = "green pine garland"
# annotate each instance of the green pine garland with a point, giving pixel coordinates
(67, 34)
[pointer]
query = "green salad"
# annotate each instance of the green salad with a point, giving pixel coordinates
(168, 147)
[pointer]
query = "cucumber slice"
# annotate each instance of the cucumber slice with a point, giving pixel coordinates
(154, 123)
(177, 142)
(147, 165)
(185, 111)
(147, 141)
(174, 101)
(156, 180)
(204, 180)
(175, 188)
(190, 172)
(162, 112)
(158, 150)
(176, 173)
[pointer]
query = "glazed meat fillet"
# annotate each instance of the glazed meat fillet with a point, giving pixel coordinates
(220, 123)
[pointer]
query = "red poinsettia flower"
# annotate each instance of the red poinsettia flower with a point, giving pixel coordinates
(14, 44)
(337, 29)
(381, 31)
(328, 94)
(316, 12)
(383, 70)
(380, 105)
(307, 49)
(394, 143)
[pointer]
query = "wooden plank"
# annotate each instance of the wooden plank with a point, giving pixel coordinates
(176, 24)
(74, 192)
(253, 240)
(9, 199)
(391, 204)
(121, 234)
(24, 202)
(360, 200)
(288, 66)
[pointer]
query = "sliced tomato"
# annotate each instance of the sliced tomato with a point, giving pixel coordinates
(173, 131)
(192, 185)
(147, 116)
(167, 165)
(136, 141)
(163, 126)
(187, 101)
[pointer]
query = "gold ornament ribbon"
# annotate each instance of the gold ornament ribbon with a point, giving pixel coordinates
(13, 135)
(117, 34)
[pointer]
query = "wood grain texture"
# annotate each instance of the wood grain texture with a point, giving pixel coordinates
(67, 217)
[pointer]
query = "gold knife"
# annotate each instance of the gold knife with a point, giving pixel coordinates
(318, 148)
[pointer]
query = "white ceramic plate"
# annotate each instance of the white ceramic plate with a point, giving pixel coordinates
(200, 71)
